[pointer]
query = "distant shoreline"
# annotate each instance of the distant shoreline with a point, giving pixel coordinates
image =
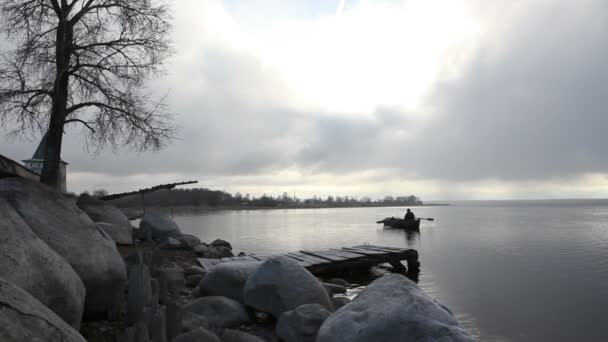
(135, 211)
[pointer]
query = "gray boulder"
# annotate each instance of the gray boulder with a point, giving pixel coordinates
(195, 270)
(204, 250)
(102, 211)
(172, 243)
(302, 324)
(197, 335)
(71, 233)
(280, 284)
(120, 235)
(339, 302)
(28, 262)
(158, 225)
(24, 318)
(227, 280)
(219, 312)
(231, 335)
(189, 241)
(221, 243)
(193, 280)
(392, 308)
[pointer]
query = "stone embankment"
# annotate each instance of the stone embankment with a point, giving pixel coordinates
(76, 270)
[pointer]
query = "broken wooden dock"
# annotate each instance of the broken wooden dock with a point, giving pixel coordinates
(338, 260)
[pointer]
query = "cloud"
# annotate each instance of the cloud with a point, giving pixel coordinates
(512, 102)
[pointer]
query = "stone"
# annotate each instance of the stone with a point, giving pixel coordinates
(392, 308)
(339, 302)
(224, 252)
(333, 289)
(231, 335)
(221, 243)
(189, 241)
(119, 235)
(102, 211)
(172, 243)
(29, 263)
(302, 324)
(280, 284)
(58, 222)
(215, 311)
(227, 280)
(197, 335)
(194, 270)
(24, 318)
(210, 252)
(193, 280)
(159, 225)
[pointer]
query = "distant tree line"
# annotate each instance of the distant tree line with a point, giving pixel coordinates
(216, 198)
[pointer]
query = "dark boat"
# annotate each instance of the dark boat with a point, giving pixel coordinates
(400, 223)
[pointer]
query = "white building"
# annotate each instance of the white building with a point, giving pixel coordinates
(37, 161)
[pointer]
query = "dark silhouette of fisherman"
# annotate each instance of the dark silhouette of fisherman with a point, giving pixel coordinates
(409, 215)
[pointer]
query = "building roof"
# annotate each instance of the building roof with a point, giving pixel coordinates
(40, 151)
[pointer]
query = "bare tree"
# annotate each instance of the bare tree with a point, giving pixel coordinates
(85, 62)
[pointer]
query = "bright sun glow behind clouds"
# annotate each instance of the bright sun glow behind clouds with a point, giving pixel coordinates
(370, 55)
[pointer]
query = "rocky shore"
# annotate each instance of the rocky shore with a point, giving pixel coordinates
(74, 269)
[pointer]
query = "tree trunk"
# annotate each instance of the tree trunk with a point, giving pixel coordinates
(52, 158)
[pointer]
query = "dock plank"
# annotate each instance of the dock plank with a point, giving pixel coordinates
(311, 259)
(363, 251)
(345, 254)
(334, 259)
(390, 249)
(380, 249)
(320, 254)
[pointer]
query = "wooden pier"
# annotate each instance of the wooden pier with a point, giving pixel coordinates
(338, 260)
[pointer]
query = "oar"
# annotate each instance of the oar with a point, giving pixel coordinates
(426, 218)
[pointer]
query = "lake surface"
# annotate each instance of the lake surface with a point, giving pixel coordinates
(510, 271)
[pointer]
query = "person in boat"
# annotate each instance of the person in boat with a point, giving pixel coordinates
(409, 215)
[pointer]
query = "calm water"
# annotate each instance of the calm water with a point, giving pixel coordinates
(510, 271)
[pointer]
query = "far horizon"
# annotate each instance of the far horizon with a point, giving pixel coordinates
(318, 98)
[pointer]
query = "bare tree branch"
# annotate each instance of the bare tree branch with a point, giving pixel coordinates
(85, 61)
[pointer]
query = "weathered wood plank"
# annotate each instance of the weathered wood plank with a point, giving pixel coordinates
(333, 260)
(320, 254)
(299, 261)
(391, 249)
(345, 254)
(380, 249)
(364, 251)
(311, 259)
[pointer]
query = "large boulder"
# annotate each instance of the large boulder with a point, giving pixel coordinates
(102, 211)
(214, 311)
(158, 225)
(73, 235)
(230, 335)
(31, 264)
(24, 318)
(392, 308)
(189, 241)
(302, 324)
(227, 280)
(197, 335)
(280, 284)
(120, 235)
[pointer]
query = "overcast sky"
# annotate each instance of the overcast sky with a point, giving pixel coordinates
(447, 100)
